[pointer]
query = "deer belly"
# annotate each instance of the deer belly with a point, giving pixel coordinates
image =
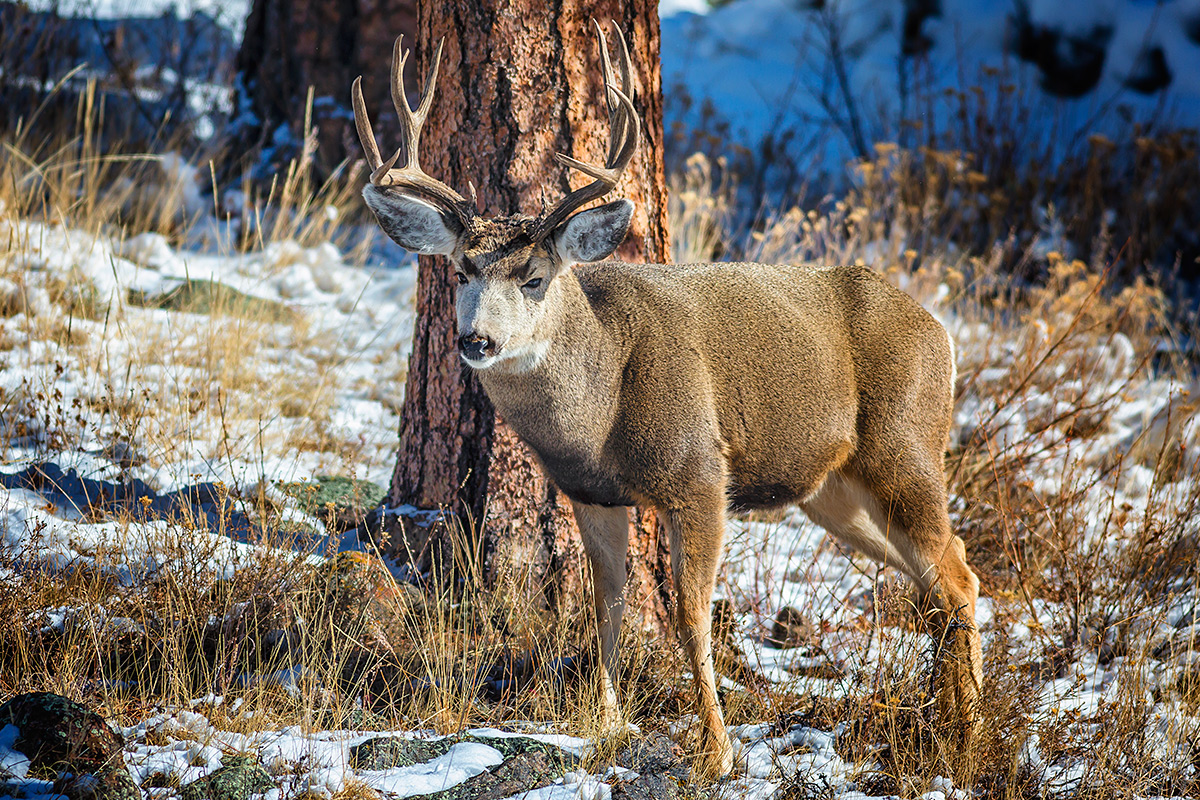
(785, 471)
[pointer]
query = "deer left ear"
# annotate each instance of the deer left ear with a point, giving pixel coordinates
(593, 234)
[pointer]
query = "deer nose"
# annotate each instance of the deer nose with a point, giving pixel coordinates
(476, 346)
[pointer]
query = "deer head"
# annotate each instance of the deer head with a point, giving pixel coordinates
(506, 266)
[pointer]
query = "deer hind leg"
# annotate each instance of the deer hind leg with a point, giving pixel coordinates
(916, 539)
(605, 534)
(696, 534)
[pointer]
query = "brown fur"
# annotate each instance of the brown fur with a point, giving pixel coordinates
(694, 388)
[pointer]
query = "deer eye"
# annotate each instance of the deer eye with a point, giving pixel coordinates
(461, 277)
(533, 284)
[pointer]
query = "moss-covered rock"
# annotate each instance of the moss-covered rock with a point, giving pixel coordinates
(109, 782)
(342, 503)
(523, 772)
(59, 735)
(510, 746)
(198, 296)
(70, 744)
(389, 752)
(359, 589)
(237, 779)
(661, 772)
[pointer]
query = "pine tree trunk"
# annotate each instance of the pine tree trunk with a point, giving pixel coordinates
(290, 46)
(520, 82)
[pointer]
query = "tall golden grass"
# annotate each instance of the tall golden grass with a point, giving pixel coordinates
(1085, 575)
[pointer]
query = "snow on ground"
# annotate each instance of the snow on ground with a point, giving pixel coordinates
(299, 373)
(296, 369)
(321, 761)
(347, 324)
(198, 380)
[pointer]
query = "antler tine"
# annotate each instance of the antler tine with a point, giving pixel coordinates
(626, 62)
(605, 66)
(430, 84)
(623, 139)
(626, 79)
(366, 136)
(412, 121)
(409, 174)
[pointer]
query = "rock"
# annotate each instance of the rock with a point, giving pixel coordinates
(71, 744)
(520, 773)
(523, 745)
(389, 752)
(197, 296)
(360, 587)
(56, 732)
(655, 754)
(237, 779)
(110, 782)
(791, 629)
(661, 772)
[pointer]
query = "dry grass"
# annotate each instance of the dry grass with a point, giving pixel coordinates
(1076, 510)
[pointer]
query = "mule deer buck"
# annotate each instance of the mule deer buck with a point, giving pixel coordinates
(693, 389)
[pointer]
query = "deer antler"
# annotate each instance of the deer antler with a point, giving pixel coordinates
(408, 175)
(623, 140)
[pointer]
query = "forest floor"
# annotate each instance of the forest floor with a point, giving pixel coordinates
(192, 435)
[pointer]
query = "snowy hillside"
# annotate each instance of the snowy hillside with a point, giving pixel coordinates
(845, 74)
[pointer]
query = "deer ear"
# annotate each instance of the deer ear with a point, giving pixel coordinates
(593, 234)
(415, 225)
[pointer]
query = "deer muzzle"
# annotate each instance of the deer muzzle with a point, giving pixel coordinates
(476, 347)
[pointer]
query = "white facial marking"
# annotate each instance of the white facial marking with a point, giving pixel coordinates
(527, 357)
(518, 359)
(481, 364)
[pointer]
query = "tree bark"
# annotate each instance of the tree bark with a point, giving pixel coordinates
(520, 81)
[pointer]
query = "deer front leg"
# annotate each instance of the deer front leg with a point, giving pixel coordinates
(605, 533)
(696, 535)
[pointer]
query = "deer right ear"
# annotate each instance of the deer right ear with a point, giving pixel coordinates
(593, 234)
(415, 225)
